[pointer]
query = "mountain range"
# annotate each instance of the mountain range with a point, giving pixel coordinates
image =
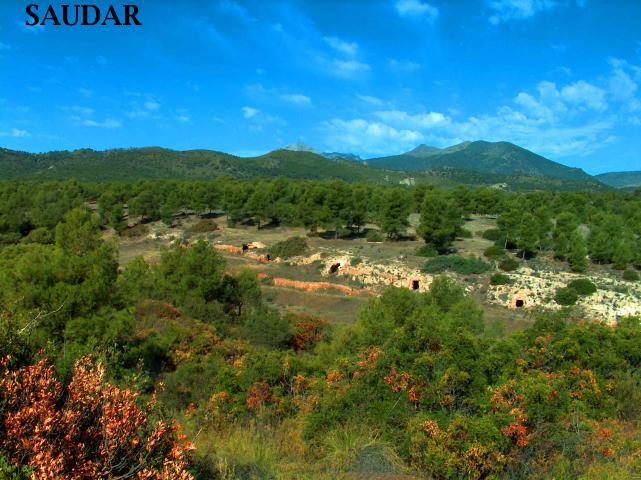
(621, 179)
(500, 164)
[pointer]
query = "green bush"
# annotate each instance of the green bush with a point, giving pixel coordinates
(426, 251)
(465, 233)
(494, 252)
(510, 264)
(355, 261)
(492, 234)
(267, 328)
(9, 472)
(374, 236)
(456, 264)
(582, 286)
(343, 232)
(631, 275)
(499, 279)
(566, 296)
(291, 247)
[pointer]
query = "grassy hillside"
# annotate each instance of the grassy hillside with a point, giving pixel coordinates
(621, 179)
(487, 157)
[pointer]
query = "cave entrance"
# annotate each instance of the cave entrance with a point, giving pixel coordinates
(334, 268)
(245, 247)
(519, 303)
(415, 284)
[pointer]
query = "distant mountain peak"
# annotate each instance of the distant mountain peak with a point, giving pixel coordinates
(423, 151)
(480, 156)
(301, 147)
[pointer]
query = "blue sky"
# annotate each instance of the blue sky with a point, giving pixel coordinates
(559, 77)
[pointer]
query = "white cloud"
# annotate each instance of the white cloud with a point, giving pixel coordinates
(349, 68)
(366, 136)
(15, 133)
(85, 92)
(107, 123)
(371, 100)
(557, 121)
(249, 112)
(101, 60)
(342, 46)
(620, 83)
(416, 8)
(152, 105)
(586, 94)
(403, 65)
(257, 119)
(148, 108)
(86, 111)
(507, 10)
(419, 121)
(297, 99)
(183, 118)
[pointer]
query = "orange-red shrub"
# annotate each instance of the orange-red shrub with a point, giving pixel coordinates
(89, 430)
(308, 330)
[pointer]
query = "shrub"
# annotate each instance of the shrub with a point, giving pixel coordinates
(630, 276)
(582, 286)
(499, 279)
(355, 261)
(456, 264)
(494, 251)
(374, 236)
(566, 296)
(307, 330)
(465, 233)
(291, 247)
(426, 251)
(136, 231)
(267, 328)
(492, 234)
(204, 226)
(86, 429)
(343, 232)
(509, 264)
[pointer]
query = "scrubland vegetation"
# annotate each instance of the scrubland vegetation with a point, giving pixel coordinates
(112, 372)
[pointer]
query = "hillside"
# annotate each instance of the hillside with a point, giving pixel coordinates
(514, 182)
(500, 157)
(621, 179)
(159, 163)
(156, 163)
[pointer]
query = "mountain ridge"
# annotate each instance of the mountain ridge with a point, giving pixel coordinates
(480, 156)
(154, 163)
(628, 179)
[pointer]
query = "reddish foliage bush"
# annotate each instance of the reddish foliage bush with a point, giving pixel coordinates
(308, 331)
(89, 430)
(259, 395)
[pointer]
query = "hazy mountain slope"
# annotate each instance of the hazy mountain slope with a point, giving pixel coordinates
(499, 157)
(621, 179)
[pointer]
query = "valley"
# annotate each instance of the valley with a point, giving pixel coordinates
(364, 269)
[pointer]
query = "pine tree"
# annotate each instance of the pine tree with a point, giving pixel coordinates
(441, 220)
(395, 213)
(578, 254)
